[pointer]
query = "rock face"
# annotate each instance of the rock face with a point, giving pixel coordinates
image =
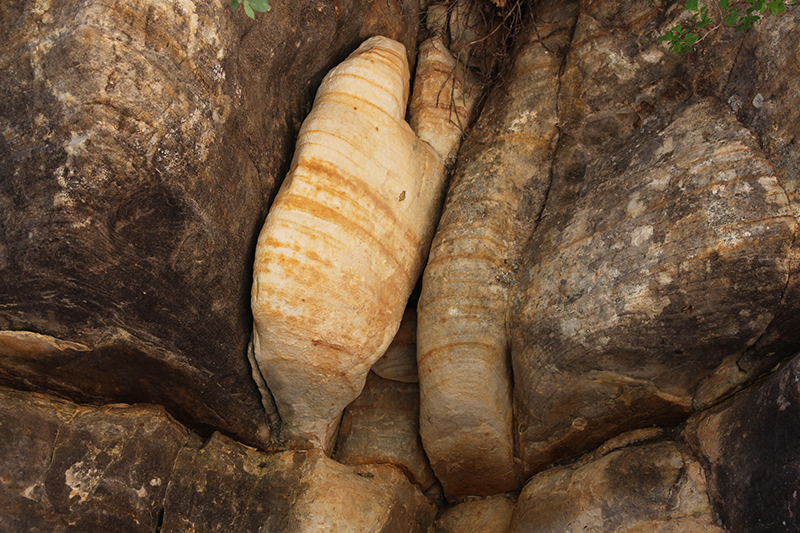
(140, 146)
(640, 290)
(128, 468)
(749, 446)
(498, 188)
(658, 487)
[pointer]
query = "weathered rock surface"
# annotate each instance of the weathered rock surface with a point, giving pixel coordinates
(477, 515)
(65, 467)
(345, 240)
(381, 426)
(498, 188)
(658, 487)
(748, 445)
(140, 145)
(661, 256)
(764, 92)
(228, 487)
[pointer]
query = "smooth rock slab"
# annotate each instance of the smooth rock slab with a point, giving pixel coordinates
(381, 426)
(748, 445)
(654, 488)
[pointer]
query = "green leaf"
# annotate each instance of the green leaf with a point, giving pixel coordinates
(704, 21)
(249, 10)
(234, 4)
(776, 7)
(724, 5)
(691, 5)
(260, 5)
(732, 19)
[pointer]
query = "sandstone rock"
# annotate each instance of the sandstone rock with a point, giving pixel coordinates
(227, 487)
(344, 243)
(657, 487)
(399, 362)
(72, 468)
(382, 427)
(748, 445)
(498, 188)
(140, 145)
(662, 253)
(477, 515)
(67, 467)
(445, 94)
(764, 92)
(631, 313)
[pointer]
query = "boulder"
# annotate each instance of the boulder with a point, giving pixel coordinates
(347, 236)
(633, 314)
(65, 467)
(748, 445)
(490, 514)
(498, 188)
(227, 487)
(657, 487)
(381, 426)
(141, 143)
(399, 362)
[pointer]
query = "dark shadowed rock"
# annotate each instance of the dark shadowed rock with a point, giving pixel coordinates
(140, 145)
(653, 488)
(764, 92)
(65, 467)
(749, 447)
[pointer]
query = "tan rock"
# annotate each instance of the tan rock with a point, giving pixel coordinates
(445, 94)
(477, 515)
(381, 426)
(656, 487)
(344, 242)
(399, 363)
(499, 185)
